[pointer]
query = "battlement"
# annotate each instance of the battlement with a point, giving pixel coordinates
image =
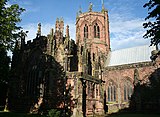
(38, 41)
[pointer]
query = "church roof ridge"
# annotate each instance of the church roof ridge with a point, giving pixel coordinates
(131, 48)
(130, 55)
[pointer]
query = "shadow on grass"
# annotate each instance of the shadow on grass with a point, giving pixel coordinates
(14, 114)
(128, 113)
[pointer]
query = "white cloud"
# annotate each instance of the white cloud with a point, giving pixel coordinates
(27, 5)
(45, 29)
(127, 33)
(32, 28)
(72, 29)
(126, 30)
(124, 41)
(124, 33)
(36, 9)
(128, 25)
(8, 4)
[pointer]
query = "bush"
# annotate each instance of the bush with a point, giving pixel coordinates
(54, 113)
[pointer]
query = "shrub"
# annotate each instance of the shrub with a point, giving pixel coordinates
(54, 113)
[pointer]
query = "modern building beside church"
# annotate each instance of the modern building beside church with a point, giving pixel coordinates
(99, 80)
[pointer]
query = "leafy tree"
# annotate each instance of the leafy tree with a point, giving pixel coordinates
(4, 74)
(4, 64)
(153, 26)
(54, 113)
(9, 16)
(146, 96)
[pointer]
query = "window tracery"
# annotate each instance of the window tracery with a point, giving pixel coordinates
(96, 31)
(111, 92)
(128, 90)
(86, 31)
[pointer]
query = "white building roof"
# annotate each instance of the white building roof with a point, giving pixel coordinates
(129, 55)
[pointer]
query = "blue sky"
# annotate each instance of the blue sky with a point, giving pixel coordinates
(125, 16)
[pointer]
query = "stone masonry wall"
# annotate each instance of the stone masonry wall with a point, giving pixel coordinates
(119, 76)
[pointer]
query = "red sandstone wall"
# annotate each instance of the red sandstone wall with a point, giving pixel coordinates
(119, 77)
(90, 19)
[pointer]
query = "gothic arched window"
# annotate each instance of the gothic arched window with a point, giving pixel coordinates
(96, 31)
(109, 96)
(86, 31)
(111, 92)
(93, 56)
(81, 50)
(127, 90)
(31, 80)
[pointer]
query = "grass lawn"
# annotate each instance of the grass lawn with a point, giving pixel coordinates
(12, 114)
(134, 115)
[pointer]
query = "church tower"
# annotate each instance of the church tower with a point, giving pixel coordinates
(92, 38)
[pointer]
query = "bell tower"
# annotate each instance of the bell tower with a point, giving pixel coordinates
(92, 38)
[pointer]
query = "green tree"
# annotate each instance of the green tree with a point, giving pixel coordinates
(4, 74)
(153, 26)
(9, 17)
(54, 113)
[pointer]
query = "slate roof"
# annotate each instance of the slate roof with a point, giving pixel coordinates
(129, 55)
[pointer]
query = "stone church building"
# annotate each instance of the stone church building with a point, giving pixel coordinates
(85, 76)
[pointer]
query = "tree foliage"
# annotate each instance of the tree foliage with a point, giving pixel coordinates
(4, 74)
(4, 64)
(9, 17)
(54, 113)
(153, 26)
(146, 96)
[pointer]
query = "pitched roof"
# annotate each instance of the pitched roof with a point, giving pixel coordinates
(129, 55)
